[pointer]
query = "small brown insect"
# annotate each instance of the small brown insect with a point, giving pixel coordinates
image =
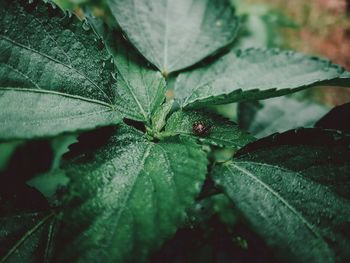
(199, 128)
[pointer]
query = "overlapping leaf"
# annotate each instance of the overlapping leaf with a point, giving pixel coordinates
(175, 34)
(278, 115)
(255, 74)
(221, 131)
(336, 119)
(294, 190)
(141, 88)
(28, 226)
(53, 77)
(129, 196)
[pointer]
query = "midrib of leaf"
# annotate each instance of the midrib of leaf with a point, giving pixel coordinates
(147, 94)
(169, 166)
(207, 83)
(58, 62)
(60, 94)
(26, 236)
(166, 37)
(143, 112)
(186, 40)
(280, 198)
(142, 32)
(123, 205)
(22, 74)
(49, 240)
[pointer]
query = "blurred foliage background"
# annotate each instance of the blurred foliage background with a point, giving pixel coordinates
(323, 28)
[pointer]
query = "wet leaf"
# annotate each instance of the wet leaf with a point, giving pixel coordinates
(53, 76)
(28, 226)
(140, 88)
(175, 34)
(220, 131)
(294, 190)
(129, 196)
(254, 74)
(262, 118)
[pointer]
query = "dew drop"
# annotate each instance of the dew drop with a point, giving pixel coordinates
(218, 23)
(86, 25)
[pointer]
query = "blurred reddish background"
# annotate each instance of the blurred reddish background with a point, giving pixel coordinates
(324, 30)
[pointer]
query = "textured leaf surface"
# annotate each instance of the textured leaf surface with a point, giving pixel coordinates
(254, 74)
(160, 116)
(294, 190)
(175, 34)
(28, 228)
(262, 118)
(132, 194)
(35, 231)
(141, 88)
(222, 132)
(53, 76)
(28, 113)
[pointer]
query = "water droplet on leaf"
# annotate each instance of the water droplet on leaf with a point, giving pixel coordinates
(86, 25)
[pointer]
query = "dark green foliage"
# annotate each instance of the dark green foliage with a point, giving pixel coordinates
(294, 187)
(53, 76)
(28, 225)
(262, 118)
(220, 131)
(131, 194)
(116, 193)
(170, 38)
(254, 74)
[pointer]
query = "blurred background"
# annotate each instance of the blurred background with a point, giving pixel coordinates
(322, 27)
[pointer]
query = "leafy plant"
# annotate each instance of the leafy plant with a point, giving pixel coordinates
(145, 165)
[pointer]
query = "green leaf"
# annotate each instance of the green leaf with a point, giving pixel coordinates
(222, 132)
(294, 190)
(254, 74)
(141, 89)
(54, 78)
(159, 118)
(28, 226)
(49, 184)
(129, 196)
(175, 34)
(6, 151)
(262, 118)
(60, 146)
(26, 235)
(29, 113)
